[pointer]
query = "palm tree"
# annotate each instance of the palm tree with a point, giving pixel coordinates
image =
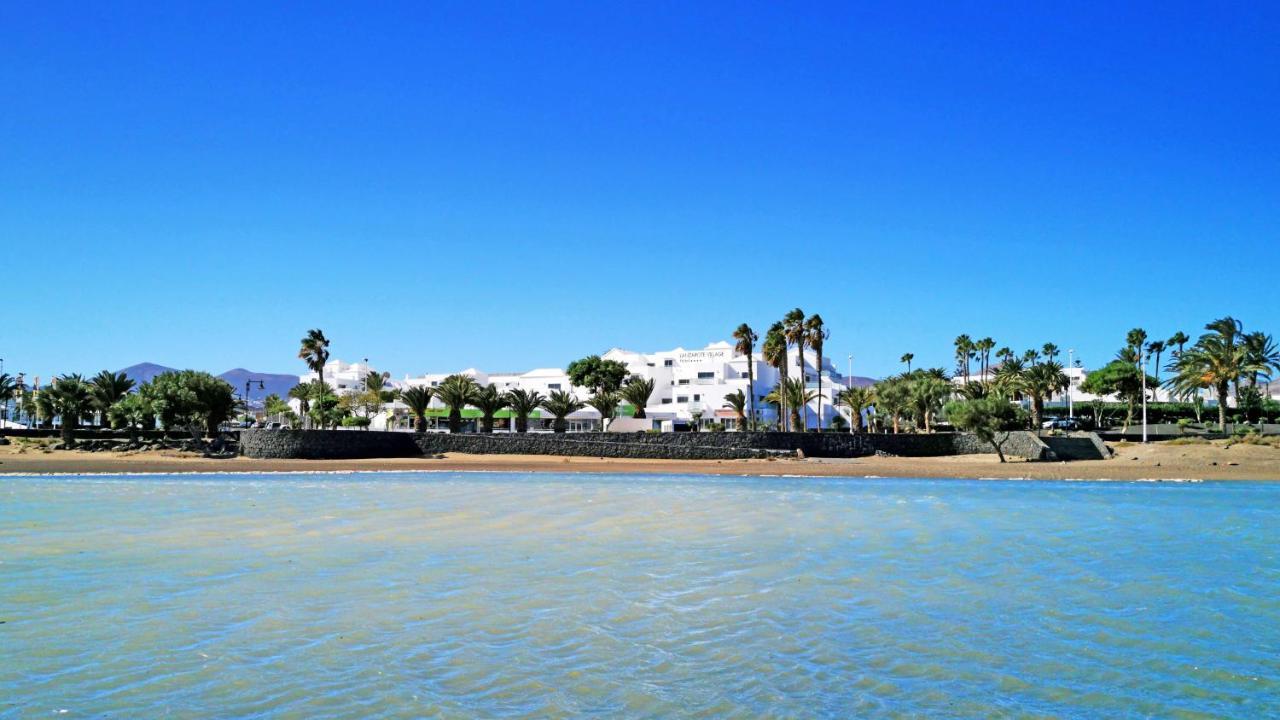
(818, 335)
(456, 392)
(798, 399)
(302, 393)
(488, 401)
(927, 392)
(314, 351)
(1050, 350)
(856, 399)
(1009, 379)
(418, 399)
(737, 401)
(892, 399)
(8, 389)
(637, 392)
(1137, 340)
(797, 335)
(747, 338)
(774, 350)
(964, 351)
(1040, 382)
(1261, 357)
(522, 403)
(985, 346)
(1216, 361)
(1156, 348)
(907, 358)
(774, 397)
(605, 403)
(561, 404)
(1180, 339)
(107, 389)
(69, 397)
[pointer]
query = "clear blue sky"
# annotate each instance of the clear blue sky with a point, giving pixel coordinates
(511, 186)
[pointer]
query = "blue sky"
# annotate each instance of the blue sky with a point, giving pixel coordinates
(515, 185)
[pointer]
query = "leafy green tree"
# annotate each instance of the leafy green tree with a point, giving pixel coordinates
(1040, 382)
(637, 392)
(737, 401)
(597, 374)
(456, 392)
(605, 403)
(774, 350)
(523, 403)
(561, 404)
(8, 390)
(1010, 378)
(746, 345)
(274, 405)
(302, 393)
(893, 400)
(856, 399)
(818, 335)
(1120, 378)
(70, 397)
(926, 393)
(133, 412)
(108, 388)
(418, 399)
(488, 401)
(990, 418)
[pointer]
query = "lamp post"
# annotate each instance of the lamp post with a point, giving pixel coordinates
(1142, 370)
(1071, 362)
(247, 384)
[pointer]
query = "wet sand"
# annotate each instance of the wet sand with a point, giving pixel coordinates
(1131, 462)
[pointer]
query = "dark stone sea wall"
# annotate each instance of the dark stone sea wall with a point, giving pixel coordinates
(358, 444)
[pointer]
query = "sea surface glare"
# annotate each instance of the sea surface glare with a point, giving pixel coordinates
(513, 595)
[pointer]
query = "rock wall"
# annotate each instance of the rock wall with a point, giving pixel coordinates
(348, 444)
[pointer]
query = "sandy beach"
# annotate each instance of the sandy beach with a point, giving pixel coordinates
(1131, 462)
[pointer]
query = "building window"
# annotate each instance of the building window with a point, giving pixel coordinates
(706, 375)
(666, 401)
(684, 381)
(682, 398)
(553, 386)
(697, 398)
(668, 363)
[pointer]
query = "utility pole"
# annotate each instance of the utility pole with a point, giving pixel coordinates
(1142, 368)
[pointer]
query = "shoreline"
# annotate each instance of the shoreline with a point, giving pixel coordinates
(1182, 463)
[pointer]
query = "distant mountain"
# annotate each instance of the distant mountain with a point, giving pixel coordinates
(271, 383)
(859, 381)
(143, 372)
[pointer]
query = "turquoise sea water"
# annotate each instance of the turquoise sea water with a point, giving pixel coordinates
(507, 595)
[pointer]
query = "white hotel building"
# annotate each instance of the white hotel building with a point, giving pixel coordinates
(689, 386)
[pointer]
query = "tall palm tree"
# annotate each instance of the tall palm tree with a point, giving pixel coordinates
(70, 397)
(927, 393)
(964, 352)
(774, 350)
(523, 403)
(818, 335)
(605, 403)
(637, 392)
(797, 335)
(747, 338)
(1180, 339)
(456, 392)
(488, 401)
(1050, 351)
(1137, 340)
(985, 346)
(1156, 348)
(108, 388)
(561, 404)
(1010, 378)
(907, 358)
(418, 399)
(314, 351)
(1216, 361)
(737, 401)
(856, 399)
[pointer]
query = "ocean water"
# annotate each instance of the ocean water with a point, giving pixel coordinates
(531, 596)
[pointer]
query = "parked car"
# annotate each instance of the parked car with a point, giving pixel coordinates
(1070, 424)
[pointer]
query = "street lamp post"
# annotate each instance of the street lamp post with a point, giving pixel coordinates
(1071, 362)
(1142, 369)
(849, 384)
(247, 384)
